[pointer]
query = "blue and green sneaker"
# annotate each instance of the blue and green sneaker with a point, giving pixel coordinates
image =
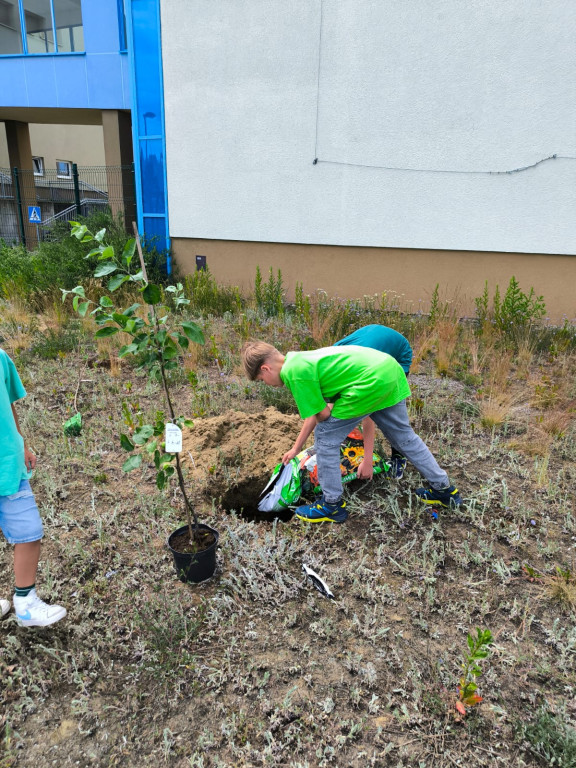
(445, 497)
(397, 466)
(323, 512)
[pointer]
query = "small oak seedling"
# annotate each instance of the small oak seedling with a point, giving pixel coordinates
(478, 649)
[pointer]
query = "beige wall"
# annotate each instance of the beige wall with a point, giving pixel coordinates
(80, 144)
(351, 272)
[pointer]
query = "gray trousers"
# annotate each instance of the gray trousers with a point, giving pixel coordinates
(394, 423)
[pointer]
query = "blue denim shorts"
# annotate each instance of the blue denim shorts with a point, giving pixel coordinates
(19, 517)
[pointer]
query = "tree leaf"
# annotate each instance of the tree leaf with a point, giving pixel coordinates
(193, 332)
(115, 282)
(152, 294)
(105, 301)
(105, 269)
(131, 309)
(126, 443)
(143, 434)
(82, 309)
(109, 330)
(128, 252)
(122, 320)
(183, 341)
(132, 463)
(128, 349)
(461, 708)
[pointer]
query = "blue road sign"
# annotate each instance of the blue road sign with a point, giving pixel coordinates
(34, 215)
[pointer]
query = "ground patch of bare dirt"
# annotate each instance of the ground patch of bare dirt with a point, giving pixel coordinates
(231, 456)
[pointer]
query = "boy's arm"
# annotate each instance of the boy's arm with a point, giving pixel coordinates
(29, 457)
(306, 431)
(365, 469)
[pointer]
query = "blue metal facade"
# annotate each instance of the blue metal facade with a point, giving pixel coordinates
(97, 78)
(121, 68)
(144, 43)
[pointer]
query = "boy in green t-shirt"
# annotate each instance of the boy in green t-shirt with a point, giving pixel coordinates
(391, 342)
(19, 518)
(340, 387)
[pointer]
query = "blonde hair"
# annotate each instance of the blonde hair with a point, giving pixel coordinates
(254, 355)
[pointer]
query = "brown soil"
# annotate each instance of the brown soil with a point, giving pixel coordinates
(201, 540)
(231, 456)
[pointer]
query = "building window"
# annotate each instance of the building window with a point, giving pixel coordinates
(39, 31)
(63, 169)
(10, 29)
(68, 22)
(38, 164)
(49, 26)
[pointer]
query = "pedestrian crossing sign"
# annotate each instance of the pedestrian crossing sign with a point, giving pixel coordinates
(34, 215)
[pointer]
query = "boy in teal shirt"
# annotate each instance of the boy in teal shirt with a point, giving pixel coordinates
(384, 339)
(19, 518)
(360, 382)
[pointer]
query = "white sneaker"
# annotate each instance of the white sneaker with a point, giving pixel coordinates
(33, 612)
(4, 607)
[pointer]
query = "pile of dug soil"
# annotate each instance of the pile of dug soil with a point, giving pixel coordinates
(231, 456)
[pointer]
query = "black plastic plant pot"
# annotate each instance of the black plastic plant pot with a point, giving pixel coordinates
(194, 567)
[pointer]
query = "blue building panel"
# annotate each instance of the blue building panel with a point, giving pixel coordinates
(104, 74)
(94, 79)
(126, 81)
(101, 26)
(13, 92)
(71, 82)
(41, 86)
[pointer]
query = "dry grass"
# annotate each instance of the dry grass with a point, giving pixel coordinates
(497, 408)
(524, 358)
(499, 366)
(446, 340)
(423, 345)
(561, 588)
(321, 318)
(555, 423)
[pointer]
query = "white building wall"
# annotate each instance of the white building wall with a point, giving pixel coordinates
(408, 107)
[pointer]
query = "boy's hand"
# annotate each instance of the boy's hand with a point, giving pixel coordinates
(289, 455)
(29, 459)
(365, 470)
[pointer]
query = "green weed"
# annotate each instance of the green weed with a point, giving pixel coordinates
(549, 738)
(269, 295)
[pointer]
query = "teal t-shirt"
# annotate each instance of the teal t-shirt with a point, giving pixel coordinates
(384, 339)
(12, 467)
(359, 380)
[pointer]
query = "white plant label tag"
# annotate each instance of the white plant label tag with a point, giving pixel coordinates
(173, 438)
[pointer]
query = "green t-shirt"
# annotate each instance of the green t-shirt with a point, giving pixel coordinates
(12, 467)
(359, 380)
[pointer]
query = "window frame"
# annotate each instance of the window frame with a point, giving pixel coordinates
(61, 175)
(41, 164)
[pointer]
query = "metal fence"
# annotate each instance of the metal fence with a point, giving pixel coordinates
(31, 205)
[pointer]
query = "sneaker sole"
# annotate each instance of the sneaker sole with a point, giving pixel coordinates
(44, 623)
(320, 519)
(438, 503)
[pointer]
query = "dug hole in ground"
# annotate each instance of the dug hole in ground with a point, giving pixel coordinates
(230, 457)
